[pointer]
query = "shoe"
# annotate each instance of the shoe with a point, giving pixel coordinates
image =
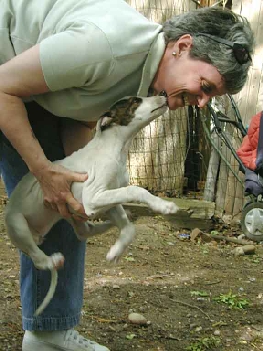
(66, 340)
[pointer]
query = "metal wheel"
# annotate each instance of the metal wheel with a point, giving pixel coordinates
(252, 221)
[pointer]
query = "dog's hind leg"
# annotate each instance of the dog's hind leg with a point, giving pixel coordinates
(21, 236)
(85, 230)
(127, 232)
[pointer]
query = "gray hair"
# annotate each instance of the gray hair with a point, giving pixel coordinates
(221, 23)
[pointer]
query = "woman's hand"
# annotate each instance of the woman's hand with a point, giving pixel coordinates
(55, 181)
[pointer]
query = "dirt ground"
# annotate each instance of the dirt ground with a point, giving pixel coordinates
(172, 282)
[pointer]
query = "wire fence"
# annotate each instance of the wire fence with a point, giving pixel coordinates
(157, 155)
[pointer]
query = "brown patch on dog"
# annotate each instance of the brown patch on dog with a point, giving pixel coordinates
(123, 111)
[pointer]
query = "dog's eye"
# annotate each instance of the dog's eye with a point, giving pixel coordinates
(137, 100)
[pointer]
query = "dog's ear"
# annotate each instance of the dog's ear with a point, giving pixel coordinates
(106, 121)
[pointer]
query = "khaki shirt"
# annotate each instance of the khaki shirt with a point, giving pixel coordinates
(92, 52)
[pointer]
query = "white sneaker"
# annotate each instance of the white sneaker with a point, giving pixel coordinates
(66, 340)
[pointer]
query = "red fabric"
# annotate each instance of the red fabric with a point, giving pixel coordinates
(248, 150)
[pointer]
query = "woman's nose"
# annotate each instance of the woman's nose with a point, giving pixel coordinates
(203, 100)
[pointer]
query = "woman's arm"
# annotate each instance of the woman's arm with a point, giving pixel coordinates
(22, 77)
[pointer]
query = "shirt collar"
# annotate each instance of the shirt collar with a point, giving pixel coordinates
(151, 64)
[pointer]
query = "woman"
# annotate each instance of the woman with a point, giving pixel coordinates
(62, 58)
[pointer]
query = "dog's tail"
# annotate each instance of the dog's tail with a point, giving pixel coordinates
(50, 293)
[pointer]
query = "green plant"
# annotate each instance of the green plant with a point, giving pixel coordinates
(129, 258)
(214, 232)
(204, 250)
(206, 343)
(255, 259)
(199, 293)
(232, 300)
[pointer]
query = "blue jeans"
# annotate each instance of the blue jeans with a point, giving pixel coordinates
(64, 310)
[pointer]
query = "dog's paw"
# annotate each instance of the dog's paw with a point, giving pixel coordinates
(44, 262)
(57, 261)
(167, 207)
(115, 253)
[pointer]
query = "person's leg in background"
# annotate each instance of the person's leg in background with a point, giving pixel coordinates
(64, 310)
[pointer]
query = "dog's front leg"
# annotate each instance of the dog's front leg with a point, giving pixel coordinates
(126, 195)
(127, 232)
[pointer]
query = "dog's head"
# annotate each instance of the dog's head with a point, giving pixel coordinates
(134, 110)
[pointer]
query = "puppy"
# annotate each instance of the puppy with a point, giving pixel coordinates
(104, 159)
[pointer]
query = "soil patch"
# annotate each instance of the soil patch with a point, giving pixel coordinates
(172, 282)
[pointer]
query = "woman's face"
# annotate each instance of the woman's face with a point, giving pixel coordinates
(185, 80)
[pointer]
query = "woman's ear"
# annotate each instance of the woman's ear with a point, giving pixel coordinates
(184, 43)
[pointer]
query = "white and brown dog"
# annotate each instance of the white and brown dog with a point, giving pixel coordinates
(104, 159)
